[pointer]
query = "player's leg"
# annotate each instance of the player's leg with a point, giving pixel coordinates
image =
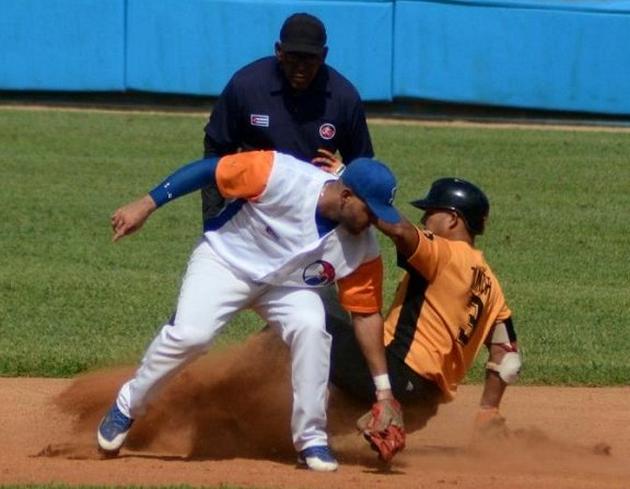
(348, 369)
(298, 316)
(209, 296)
(350, 374)
(408, 385)
(420, 397)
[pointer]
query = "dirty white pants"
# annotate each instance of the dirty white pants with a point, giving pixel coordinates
(210, 295)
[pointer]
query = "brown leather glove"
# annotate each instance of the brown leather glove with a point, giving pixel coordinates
(384, 429)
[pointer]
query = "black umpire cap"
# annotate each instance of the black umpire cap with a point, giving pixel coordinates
(303, 33)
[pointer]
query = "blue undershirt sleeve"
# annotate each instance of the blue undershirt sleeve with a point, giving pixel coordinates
(185, 180)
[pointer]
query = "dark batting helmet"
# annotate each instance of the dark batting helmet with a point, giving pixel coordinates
(454, 194)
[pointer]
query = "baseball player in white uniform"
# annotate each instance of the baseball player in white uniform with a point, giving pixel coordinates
(289, 228)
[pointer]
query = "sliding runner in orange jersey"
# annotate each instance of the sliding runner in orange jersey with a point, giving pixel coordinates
(447, 306)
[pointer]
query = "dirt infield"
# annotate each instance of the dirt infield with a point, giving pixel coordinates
(208, 430)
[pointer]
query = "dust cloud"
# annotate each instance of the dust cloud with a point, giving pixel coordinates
(236, 403)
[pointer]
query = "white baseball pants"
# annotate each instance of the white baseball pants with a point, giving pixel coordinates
(210, 295)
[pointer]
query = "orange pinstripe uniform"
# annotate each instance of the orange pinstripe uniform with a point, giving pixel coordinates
(444, 308)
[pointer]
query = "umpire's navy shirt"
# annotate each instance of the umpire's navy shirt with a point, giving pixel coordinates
(258, 109)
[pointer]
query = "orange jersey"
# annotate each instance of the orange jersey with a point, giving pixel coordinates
(444, 308)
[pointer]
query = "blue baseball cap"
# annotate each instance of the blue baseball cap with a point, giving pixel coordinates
(374, 184)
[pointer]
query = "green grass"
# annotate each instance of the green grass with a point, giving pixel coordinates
(70, 300)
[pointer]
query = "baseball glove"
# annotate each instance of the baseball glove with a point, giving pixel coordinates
(383, 428)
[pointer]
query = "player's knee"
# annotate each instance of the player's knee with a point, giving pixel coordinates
(311, 331)
(307, 319)
(311, 325)
(185, 337)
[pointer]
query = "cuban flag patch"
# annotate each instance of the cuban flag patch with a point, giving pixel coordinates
(259, 120)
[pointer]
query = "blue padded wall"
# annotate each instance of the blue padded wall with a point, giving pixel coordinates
(194, 46)
(548, 55)
(62, 45)
(542, 54)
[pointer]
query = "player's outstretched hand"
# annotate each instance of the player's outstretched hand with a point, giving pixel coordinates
(328, 162)
(131, 217)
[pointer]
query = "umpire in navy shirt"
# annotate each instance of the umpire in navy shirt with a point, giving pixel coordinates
(291, 102)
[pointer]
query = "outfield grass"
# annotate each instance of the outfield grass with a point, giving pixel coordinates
(71, 301)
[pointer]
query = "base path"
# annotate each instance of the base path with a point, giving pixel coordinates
(562, 438)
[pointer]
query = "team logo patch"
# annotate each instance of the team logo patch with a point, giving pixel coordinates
(259, 120)
(393, 196)
(327, 131)
(319, 273)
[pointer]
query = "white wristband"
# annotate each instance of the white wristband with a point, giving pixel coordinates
(382, 382)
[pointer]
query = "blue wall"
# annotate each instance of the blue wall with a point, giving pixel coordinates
(62, 44)
(544, 54)
(194, 46)
(549, 55)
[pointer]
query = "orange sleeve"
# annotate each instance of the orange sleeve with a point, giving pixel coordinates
(500, 309)
(244, 175)
(430, 253)
(362, 290)
(504, 313)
